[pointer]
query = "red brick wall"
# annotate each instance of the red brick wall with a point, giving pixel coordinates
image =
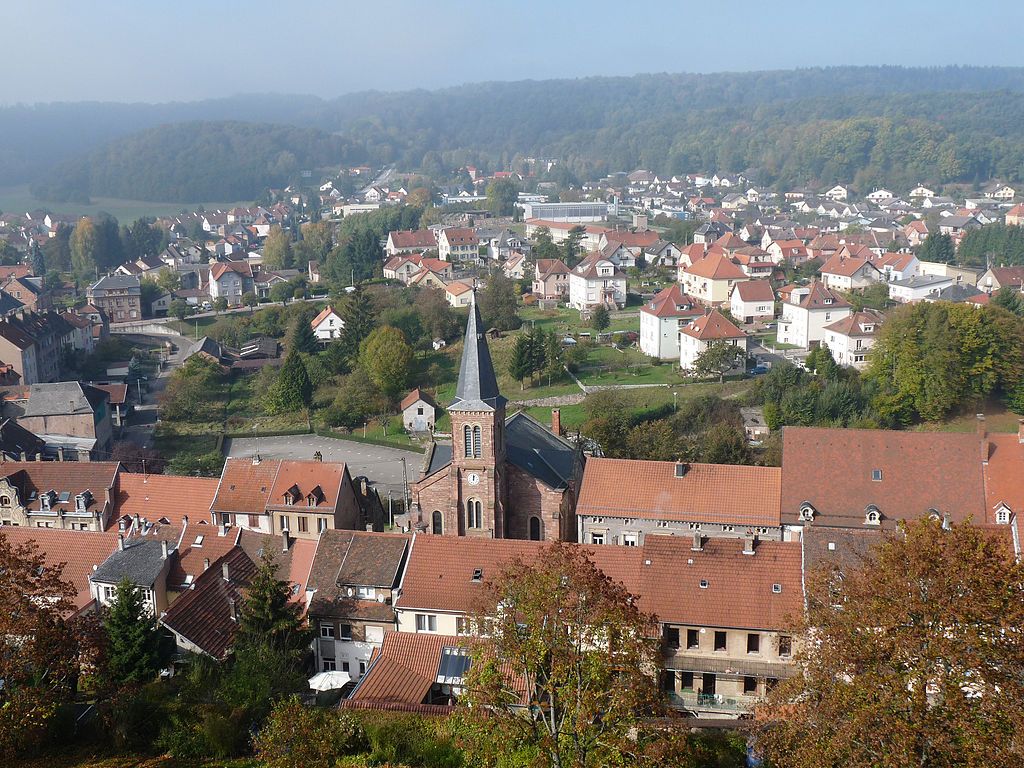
(528, 496)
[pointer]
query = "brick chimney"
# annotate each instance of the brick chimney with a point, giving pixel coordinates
(698, 542)
(748, 544)
(556, 421)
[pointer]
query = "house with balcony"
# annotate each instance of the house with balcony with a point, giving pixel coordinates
(596, 281)
(662, 317)
(807, 311)
(352, 585)
(850, 339)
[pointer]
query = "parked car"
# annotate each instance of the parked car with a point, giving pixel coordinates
(758, 370)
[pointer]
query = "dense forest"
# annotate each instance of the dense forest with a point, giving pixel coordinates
(861, 125)
(188, 162)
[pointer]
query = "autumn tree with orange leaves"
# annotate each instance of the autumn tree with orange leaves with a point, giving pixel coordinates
(39, 645)
(914, 656)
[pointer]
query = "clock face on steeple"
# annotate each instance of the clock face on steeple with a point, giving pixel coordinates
(473, 478)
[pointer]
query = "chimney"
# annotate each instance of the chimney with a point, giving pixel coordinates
(163, 549)
(748, 544)
(255, 459)
(698, 542)
(284, 540)
(980, 424)
(120, 541)
(369, 527)
(224, 571)
(556, 421)
(1020, 430)
(232, 609)
(60, 453)
(206, 564)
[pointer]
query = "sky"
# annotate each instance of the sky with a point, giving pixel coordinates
(184, 50)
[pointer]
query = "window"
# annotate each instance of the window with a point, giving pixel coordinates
(4, 501)
(670, 635)
(785, 645)
(1002, 516)
(437, 524)
(327, 630)
(668, 681)
(476, 443)
(321, 524)
(419, 411)
(753, 642)
(704, 584)
(303, 524)
(109, 592)
(630, 539)
(474, 513)
(693, 638)
(461, 625)
(876, 475)
(597, 538)
(467, 439)
(534, 528)
(344, 666)
(426, 622)
(284, 522)
(777, 589)
(329, 665)
(366, 593)
(749, 685)
(719, 641)
(362, 668)
(345, 631)
(686, 681)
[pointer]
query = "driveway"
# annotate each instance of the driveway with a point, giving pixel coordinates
(380, 464)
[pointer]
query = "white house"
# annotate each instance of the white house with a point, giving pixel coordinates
(838, 192)
(880, 195)
(459, 294)
(458, 244)
(850, 339)
(418, 411)
(918, 288)
(701, 333)
(921, 191)
(327, 325)
(809, 309)
(232, 280)
(849, 273)
(899, 266)
(660, 321)
(596, 280)
(752, 300)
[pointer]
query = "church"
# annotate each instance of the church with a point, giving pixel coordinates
(503, 477)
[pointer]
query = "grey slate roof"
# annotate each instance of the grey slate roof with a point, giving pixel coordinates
(63, 398)
(920, 281)
(539, 452)
(957, 292)
(440, 456)
(140, 562)
(477, 389)
(115, 282)
(8, 303)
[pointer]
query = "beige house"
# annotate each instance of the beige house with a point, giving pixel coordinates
(550, 279)
(711, 279)
(458, 244)
(70, 417)
(849, 273)
(75, 496)
(458, 293)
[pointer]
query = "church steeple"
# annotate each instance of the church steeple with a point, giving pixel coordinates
(477, 389)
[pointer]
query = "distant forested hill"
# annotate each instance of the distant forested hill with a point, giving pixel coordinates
(187, 162)
(861, 125)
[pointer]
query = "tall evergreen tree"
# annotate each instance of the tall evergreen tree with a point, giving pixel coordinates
(519, 364)
(360, 320)
(35, 259)
(293, 390)
(300, 335)
(134, 655)
(83, 250)
(268, 618)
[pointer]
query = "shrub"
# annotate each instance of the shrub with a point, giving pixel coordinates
(297, 736)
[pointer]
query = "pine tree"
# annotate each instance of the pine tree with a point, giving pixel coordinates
(552, 357)
(36, 260)
(134, 655)
(519, 365)
(599, 319)
(300, 335)
(293, 389)
(268, 618)
(360, 320)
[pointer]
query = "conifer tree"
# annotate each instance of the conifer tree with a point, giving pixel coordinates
(268, 618)
(134, 640)
(293, 389)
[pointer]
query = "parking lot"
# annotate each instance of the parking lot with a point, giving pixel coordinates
(380, 464)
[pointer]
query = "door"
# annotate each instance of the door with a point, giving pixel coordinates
(707, 687)
(534, 528)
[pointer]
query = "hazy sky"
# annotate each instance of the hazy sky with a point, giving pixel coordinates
(164, 50)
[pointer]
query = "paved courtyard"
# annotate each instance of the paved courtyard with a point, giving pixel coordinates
(380, 464)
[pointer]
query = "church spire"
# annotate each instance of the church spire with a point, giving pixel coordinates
(477, 389)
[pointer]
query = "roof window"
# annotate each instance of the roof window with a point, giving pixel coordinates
(478, 574)
(704, 584)
(777, 589)
(876, 475)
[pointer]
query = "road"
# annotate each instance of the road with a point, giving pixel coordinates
(139, 428)
(381, 465)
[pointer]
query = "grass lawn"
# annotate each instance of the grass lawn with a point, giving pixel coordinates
(188, 327)
(647, 374)
(771, 340)
(997, 419)
(19, 199)
(565, 320)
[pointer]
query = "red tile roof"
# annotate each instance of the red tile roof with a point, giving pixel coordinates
(79, 551)
(416, 238)
(402, 673)
(414, 396)
(820, 297)
(1004, 476)
(853, 325)
(712, 326)
(460, 236)
(710, 493)
(244, 486)
(755, 290)
(165, 496)
(716, 266)
(832, 470)
(672, 302)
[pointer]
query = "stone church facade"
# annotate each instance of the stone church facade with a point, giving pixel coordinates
(502, 476)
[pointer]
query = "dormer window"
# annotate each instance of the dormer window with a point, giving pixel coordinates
(872, 516)
(807, 512)
(46, 501)
(1003, 515)
(82, 501)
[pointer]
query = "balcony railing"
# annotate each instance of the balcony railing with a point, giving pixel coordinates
(713, 702)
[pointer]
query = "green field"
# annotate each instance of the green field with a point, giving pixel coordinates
(18, 199)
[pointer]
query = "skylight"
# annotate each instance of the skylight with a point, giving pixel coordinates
(199, 541)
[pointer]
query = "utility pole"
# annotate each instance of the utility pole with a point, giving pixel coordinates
(405, 481)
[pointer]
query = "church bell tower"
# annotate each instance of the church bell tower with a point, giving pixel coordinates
(478, 440)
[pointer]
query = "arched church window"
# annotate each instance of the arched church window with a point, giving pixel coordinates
(437, 523)
(467, 439)
(477, 453)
